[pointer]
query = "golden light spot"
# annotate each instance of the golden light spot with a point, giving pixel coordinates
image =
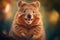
(54, 17)
(8, 11)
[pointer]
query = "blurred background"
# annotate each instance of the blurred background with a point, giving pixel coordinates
(50, 10)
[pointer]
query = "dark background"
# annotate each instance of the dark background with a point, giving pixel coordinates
(50, 10)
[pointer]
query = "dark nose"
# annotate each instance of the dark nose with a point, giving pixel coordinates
(28, 16)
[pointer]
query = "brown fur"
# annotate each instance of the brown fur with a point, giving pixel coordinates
(20, 28)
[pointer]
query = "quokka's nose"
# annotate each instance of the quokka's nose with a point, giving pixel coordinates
(29, 16)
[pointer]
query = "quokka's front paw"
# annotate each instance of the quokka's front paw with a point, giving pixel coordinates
(34, 37)
(23, 35)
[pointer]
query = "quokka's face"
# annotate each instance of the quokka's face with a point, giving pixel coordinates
(28, 11)
(28, 14)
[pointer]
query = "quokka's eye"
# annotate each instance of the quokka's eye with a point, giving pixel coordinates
(33, 12)
(24, 11)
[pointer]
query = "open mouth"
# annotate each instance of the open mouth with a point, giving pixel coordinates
(28, 21)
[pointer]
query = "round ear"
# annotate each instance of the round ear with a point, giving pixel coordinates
(20, 3)
(36, 4)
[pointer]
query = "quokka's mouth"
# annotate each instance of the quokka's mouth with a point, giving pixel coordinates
(28, 21)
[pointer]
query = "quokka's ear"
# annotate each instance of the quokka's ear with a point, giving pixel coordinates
(36, 4)
(21, 3)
